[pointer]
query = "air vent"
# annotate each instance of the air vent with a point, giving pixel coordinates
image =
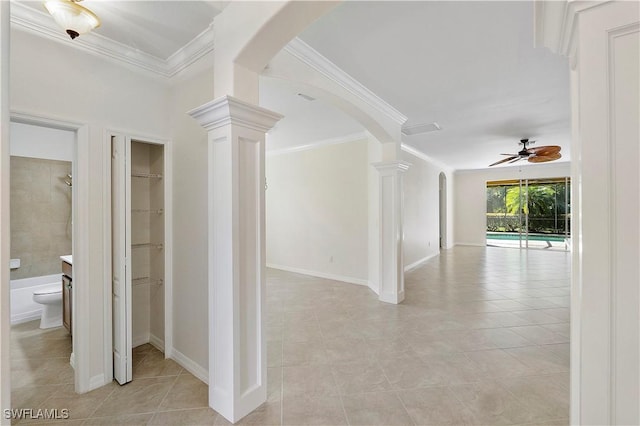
(421, 128)
(307, 97)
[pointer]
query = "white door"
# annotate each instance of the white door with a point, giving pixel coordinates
(121, 255)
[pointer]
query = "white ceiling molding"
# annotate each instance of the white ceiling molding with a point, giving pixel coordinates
(318, 144)
(41, 24)
(319, 63)
(421, 155)
(556, 22)
(518, 166)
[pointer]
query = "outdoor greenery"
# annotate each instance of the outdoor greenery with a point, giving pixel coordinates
(545, 204)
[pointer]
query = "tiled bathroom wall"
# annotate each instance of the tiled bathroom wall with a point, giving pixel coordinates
(40, 215)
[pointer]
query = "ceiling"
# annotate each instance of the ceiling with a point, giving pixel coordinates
(469, 66)
(158, 28)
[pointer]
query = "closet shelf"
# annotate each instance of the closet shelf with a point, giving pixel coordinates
(146, 280)
(156, 211)
(140, 245)
(146, 175)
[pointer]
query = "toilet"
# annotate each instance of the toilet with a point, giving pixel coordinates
(50, 297)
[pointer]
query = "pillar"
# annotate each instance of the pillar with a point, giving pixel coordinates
(237, 356)
(390, 233)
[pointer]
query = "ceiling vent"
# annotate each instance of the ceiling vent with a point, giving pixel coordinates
(421, 128)
(306, 97)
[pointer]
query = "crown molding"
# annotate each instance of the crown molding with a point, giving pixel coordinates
(516, 166)
(319, 144)
(421, 155)
(41, 24)
(555, 24)
(307, 54)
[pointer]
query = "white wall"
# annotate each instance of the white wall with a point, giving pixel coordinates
(190, 268)
(41, 142)
(470, 196)
(317, 211)
(421, 209)
(64, 83)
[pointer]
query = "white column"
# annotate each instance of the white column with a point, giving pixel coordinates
(5, 367)
(602, 41)
(391, 210)
(237, 351)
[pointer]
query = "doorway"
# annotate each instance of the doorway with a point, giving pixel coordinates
(529, 213)
(140, 302)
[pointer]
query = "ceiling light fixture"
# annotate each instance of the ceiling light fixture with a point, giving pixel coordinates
(72, 17)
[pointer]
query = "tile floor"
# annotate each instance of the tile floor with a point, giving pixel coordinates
(482, 338)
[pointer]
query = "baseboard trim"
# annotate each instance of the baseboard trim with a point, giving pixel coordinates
(157, 342)
(342, 278)
(470, 244)
(141, 339)
(188, 364)
(415, 265)
(96, 382)
(26, 317)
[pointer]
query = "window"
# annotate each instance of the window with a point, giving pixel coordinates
(529, 213)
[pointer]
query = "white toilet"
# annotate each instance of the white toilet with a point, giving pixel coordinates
(50, 297)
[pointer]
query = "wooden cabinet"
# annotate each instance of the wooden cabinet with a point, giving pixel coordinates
(67, 295)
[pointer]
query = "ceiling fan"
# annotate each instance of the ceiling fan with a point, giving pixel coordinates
(539, 154)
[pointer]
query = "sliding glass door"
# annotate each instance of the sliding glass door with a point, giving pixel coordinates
(529, 213)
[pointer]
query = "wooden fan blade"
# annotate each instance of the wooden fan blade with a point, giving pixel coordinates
(544, 150)
(516, 160)
(503, 160)
(544, 158)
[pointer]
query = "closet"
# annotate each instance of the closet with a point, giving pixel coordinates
(138, 249)
(147, 244)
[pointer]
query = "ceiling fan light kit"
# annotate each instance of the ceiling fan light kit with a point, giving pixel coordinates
(72, 17)
(539, 154)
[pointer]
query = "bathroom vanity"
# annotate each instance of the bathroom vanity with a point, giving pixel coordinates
(67, 285)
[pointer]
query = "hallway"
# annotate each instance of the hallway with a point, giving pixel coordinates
(482, 338)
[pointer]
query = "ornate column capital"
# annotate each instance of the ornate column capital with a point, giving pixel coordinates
(229, 110)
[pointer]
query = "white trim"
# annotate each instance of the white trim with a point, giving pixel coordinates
(190, 365)
(72, 360)
(140, 340)
(80, 241)
(156, 342)
(308, 55)
(107, 343)
(168, 244)
(97, 381)
(26, 317)
(41, 24)
(350, 280)
(198, 47)
(517, 166)
(469, 244)
(354, 137)
(421, 155)
(419, 263)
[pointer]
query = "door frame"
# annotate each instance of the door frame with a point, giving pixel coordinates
(81, 300)
(168, 243)
(442, 210)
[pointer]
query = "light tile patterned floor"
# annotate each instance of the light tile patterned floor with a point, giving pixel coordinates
(482, 338)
